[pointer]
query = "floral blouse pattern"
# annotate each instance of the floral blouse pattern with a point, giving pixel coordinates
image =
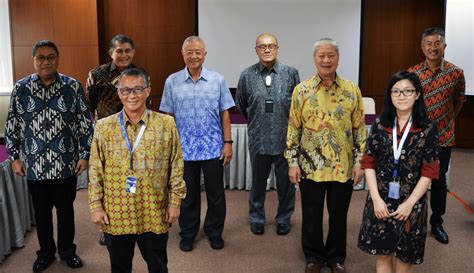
(419, 157)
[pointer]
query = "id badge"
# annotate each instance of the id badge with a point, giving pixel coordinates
(131, 184)
(394, 190)
(268, 106)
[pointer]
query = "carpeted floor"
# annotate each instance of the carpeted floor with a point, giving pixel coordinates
(270, 253)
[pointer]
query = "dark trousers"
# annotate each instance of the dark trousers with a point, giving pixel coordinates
(261, 166)
(189, 219)
(152, 247)
(60, 194)
(439, 188)
(312, 203)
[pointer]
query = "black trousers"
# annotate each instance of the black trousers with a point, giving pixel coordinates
(60, 194)
(189, 219)
(312, 203)
(152, 247)
(439, 188)
(261, 166)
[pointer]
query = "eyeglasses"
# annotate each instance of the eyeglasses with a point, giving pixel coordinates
(137, 90)
(405, 92)
(270, 47)
(49, 58)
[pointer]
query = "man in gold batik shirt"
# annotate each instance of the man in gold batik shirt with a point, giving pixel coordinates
(325, 142)
(136, 177)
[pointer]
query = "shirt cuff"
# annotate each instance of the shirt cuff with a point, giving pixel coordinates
(292, 162)
(95, 206)
(368, 162)
(430, 170)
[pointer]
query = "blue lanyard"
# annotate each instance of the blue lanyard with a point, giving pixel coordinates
(127, 141)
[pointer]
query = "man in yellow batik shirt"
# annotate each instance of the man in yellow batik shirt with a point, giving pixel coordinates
(136, 177)
(325, 142)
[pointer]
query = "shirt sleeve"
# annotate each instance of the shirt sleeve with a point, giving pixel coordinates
(14, 127)
(96, 172)
(176, 184)
(241, 96)
(91, 93)
(358, 128)
(460, 93)
(225, 102)
(166, 104)
(369, 158)
(84, 127)
(294, 130)
(430, 165)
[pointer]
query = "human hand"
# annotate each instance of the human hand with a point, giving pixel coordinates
(295, 174)
(357, 174)
(380, 208)
(403, 211)
(226, 154)
(81, 166)
(172, 214)
(18, 167)
(99, 217)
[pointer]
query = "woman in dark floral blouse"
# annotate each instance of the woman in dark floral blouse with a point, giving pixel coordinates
(398, 176)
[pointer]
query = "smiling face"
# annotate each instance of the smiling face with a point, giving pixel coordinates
(133, 103)
(122, 55)
(404, 95)
(194, 55)
(46, 62)
(267, 50)
(433, 47)
(326, 60)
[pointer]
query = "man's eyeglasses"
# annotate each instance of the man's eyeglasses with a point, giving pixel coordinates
(49, 58)
(405, 92)
(271, 47)
(137, 90)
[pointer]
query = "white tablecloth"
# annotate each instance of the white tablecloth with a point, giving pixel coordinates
(16, 210)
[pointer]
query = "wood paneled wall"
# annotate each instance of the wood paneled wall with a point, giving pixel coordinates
(391, 39)
(82, 29)
(158, 29)
(71, 24)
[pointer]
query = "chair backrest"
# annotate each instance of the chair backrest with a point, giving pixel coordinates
(369, 106)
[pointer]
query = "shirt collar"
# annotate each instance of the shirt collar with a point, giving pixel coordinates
(441, 66)
(143, 118)
(317, 80)
(113, 67)
(57, 78)
(276, 67)
(204, 74)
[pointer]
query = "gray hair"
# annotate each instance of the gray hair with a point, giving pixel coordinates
(135, 72)
(325, 41)
(193, 39)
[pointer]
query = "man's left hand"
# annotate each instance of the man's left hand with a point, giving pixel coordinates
(357, 174)
(226, 153)
(81, 166)
(172, 214)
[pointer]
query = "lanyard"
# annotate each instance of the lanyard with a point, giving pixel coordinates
(397, 148)
(139, 136)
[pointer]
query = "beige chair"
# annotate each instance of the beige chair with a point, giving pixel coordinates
(369, 105)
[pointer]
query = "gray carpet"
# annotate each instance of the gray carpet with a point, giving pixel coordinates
(245, 252)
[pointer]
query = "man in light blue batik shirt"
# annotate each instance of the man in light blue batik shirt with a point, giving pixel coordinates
(199, 99)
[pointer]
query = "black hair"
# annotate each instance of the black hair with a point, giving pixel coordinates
(387, 117)
(137, 72)
(432, 31)
(45, 43)
(120, 39)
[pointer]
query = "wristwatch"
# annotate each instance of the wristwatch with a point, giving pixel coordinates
(228, 141)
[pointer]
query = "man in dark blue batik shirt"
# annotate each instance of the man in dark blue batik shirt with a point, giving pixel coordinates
(49, 122)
